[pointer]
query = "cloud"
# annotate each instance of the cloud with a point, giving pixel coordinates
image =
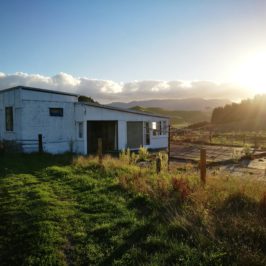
(108, 90)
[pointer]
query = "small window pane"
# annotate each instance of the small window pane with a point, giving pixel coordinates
(9, 118)
(56, 111)
(154, 128)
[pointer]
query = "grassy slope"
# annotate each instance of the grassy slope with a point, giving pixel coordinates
(54, 212)
(178, 117)
(244, 125)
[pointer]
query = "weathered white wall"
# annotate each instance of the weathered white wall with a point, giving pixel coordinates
(60, 134)
(10, 98)
(85, 113)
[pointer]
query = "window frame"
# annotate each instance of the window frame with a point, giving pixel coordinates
(80, 126)
(147, 136)
(165, 129)
(9, 127)
(60, 111)
(159, 128)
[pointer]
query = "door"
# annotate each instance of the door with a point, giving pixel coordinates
(134, 134)
(107, 131)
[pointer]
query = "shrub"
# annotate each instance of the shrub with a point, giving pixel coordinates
(247, 150)
(124, 155)
(83, 161)
(143, 154)
(236, 155)
(164, 160)
(238, 202)
(181, 186)
(10, 146)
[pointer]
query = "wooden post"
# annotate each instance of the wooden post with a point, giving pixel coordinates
(169, 147)
(100, 150)
(40, 144)
(203, 166)
(158, 165)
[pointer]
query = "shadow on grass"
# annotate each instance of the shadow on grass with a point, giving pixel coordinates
(135, 238)
(237, 203)
(17, 163)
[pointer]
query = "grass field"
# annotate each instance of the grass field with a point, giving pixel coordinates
(56, 210)
(230, 138)
(178, 118)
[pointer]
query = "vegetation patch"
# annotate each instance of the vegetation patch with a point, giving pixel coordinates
(60, 210)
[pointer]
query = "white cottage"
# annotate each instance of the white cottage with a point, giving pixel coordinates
(65, 124)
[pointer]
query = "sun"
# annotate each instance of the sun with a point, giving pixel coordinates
(252, 73)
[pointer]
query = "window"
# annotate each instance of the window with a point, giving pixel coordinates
(154, 128)
(147, 133)
(80, 130)
(9, 118)
(56, 111)
(164, 128)
(159, 128)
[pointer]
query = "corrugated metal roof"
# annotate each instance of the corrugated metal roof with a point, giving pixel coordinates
(121, 109)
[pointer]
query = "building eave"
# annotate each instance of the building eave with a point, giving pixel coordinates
(121, 109)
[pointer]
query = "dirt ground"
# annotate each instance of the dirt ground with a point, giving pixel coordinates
(226, 157)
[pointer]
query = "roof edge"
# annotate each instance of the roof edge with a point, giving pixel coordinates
(121, 109)
(40, 90)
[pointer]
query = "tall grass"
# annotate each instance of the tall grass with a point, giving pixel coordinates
(75, 211)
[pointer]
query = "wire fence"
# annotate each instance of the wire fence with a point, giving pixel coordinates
(212, 137)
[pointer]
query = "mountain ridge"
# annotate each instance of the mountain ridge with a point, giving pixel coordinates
(186, 104)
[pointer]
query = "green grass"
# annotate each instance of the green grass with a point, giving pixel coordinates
(54, 211)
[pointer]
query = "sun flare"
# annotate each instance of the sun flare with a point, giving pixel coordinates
(252, 73)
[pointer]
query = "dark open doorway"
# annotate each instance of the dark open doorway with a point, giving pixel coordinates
(107, 131)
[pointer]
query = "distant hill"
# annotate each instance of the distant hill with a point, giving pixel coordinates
(188, 104)
(178, 118)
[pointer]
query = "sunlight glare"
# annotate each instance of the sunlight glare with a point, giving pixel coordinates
(252, 73)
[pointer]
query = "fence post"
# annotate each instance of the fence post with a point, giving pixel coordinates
(203, 166)
(169, 147)
(100, 150)
(40, 144)
(158, 165)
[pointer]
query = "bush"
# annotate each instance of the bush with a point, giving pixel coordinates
(247, 150)
(124, 156)
(164, 160)
(143, 154)
(10, 146)
(181, 186)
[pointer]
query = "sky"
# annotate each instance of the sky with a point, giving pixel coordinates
(126, 50)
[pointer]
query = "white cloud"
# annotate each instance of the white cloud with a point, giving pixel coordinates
(108, 90)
